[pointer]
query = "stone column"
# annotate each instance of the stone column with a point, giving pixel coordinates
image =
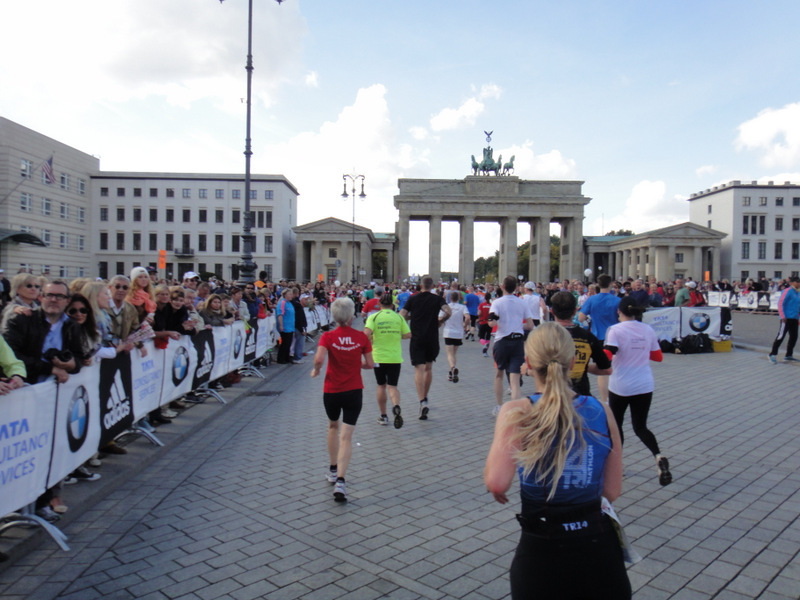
(435, 249)
(508, 248)
(466, 251)
(299, 265)
(620, 273)
(366, 259)
(344, 256)
(697, 264)
(715, 264)
(670, 262)
(389, 275)
(539, 263)
(576, 248)
(651, 262)
(319, 266)
(402, 247)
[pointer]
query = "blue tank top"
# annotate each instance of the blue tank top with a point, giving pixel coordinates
(582, 479)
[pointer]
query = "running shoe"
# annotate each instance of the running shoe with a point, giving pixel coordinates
(455, 375)
(486, 352)
(664, 476)
(790, 359)
(450, 375)
(398, 420)
(496, 410)
(331, 476)
(48, 514)
(383, 420)
(340, 492)
(84, 474)
(423, 410)
(772, 359)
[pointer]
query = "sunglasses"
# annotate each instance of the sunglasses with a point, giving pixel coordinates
(177, 298)
(56, 297)
(75, 311)
(121, 287)
(33, 285)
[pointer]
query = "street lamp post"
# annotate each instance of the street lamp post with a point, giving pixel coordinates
(247, 268)
(353, 178)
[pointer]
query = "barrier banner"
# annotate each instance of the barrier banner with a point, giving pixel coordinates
(26, 438)
(734, 302)
(147, 375)
(774, 297)
(222, 351)
(180, 362)
(237, 346)
(748, 301)
(116, 396)
(721, 299)
(77, 424)
(666, 322)
(264, 336)
(203, 343)
(250, 341)
(700, 320)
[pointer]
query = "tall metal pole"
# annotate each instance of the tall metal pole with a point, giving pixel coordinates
(362, 195)
(247, 268)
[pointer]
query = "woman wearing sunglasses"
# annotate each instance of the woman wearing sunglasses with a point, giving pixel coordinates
(25, 292)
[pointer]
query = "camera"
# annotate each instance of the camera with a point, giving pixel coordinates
(62, 355)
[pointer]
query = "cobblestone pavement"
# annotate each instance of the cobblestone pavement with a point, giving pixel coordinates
(237, 506)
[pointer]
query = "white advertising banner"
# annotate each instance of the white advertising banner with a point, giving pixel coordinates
(147, 375)
(666, 322)
(26, 439)
(701, 320)
(77, 423)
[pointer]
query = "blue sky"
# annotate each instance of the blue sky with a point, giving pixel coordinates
(645, 101)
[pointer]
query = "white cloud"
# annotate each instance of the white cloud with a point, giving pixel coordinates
(646, 208)
(774, 132)
(466, 114)
(705, 170)
(528, 165)
(361, 139)
(312, 79)
(418, 133)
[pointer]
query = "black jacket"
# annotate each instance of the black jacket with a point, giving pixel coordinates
(26, 337)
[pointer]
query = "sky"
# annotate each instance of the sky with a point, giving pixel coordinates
(646, 102)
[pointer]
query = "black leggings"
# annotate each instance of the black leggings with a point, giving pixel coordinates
(640, 407)
(583, 568)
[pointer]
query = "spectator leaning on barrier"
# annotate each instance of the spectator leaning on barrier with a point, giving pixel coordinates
(48, 342)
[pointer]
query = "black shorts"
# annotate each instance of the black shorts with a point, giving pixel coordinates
(423, 351)
(484, 331)
(509, 354)
(387, 374)
(472, 320)
(347, 404)
(453, 341)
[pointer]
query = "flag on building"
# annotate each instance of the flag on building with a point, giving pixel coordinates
(47, 169)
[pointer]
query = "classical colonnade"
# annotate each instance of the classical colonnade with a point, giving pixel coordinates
(504, 200)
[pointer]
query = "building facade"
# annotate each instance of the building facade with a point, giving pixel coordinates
(196, 218)
(331, 249)
(678, 251)
(45, 203)
(762, 223)
(91, 223)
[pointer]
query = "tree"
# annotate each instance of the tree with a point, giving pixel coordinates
(555, 256)
(621, 232)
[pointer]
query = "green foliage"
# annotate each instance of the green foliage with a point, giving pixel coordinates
(621, 232)
(486, 268)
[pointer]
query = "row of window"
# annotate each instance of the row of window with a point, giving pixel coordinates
(202, 193)
(65, 211)
(259, 218)
(186, 242)
(777, 251)
(756, 224)
(762, 201)
(63, 272)
(65, 181)
(762, 274)
(65, 240)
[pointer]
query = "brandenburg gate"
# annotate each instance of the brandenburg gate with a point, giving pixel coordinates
(504, 199)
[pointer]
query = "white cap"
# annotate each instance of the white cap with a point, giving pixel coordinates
(190, 275)
(691, 284)
(530, 286)
(305, 296)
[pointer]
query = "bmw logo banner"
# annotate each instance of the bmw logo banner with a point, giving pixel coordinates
(701, 320)
(180, 362)
(26, 440)
(77, 431)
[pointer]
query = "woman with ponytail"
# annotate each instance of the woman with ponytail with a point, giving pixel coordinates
(567, 453)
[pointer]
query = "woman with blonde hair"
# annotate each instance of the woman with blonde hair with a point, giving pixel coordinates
(141, 295)
(567, 453)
